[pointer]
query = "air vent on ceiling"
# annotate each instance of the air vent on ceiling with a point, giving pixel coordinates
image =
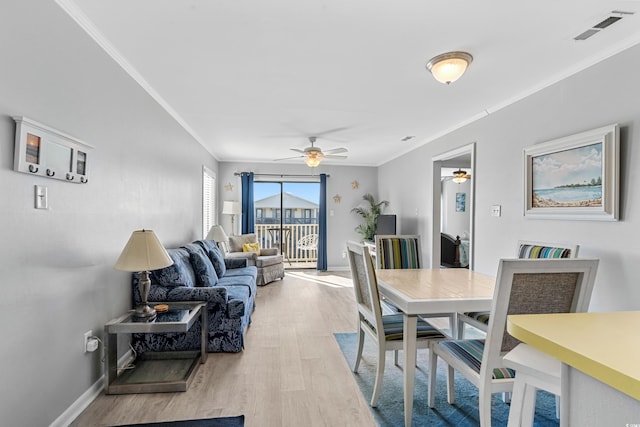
(585, 35)
(608, 21)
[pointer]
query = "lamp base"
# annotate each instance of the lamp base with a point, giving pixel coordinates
(144, 311)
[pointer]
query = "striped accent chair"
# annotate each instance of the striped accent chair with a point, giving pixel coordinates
(525, 250)
(387, 331)
(523, 286)
(402, 251)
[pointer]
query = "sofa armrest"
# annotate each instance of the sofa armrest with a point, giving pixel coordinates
(241, 255)
(216, 297)
(239, 262)
(213, 294)
(269, 251)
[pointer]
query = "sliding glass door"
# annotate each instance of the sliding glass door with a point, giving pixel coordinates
(286, 217)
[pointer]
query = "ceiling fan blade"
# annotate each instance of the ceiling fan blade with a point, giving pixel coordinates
(336, 151)
(288, 158)
(297, 150)
(331, 156)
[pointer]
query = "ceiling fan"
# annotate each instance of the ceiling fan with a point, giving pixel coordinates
(460, 176)
(313, 155)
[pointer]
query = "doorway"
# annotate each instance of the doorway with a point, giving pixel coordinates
(460, 202)
(286, 217)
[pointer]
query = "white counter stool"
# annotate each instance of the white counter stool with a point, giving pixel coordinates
(534, 370)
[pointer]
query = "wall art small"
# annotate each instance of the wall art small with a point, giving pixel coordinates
(461, 202)
(574, 177)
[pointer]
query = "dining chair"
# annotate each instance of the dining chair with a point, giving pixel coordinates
(535, 371)
(403, 252)
(523, 286)
(385, 330)
(525, 250)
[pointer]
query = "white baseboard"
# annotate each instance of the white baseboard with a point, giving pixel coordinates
(83, 402)
(79, 405)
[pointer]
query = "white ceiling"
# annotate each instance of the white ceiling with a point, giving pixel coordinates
(250, 79)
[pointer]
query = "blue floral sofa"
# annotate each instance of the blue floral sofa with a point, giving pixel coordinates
(200, 273)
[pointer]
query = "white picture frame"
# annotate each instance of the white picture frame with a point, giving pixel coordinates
(575, 177)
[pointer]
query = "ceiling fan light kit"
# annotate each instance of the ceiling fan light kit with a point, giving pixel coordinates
(460, 176)
(313, 159)
(449, 67)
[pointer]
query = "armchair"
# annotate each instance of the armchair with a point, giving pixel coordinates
(268, 261)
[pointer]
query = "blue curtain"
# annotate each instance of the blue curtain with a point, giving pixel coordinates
(248, 220)
(322, 224)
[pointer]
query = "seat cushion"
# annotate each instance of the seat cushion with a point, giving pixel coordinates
(243, 281)
(470, 351)
(180, 273)
(394, 328)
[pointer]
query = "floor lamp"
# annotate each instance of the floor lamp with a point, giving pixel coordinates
(233, 209)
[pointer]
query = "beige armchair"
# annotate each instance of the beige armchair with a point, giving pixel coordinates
(268, 261)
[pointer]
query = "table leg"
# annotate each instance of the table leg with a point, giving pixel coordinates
(111, 341)
(204, 330)
(409, 347)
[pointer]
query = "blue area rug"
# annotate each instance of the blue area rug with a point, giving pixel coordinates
(390, 410)
(203, 422)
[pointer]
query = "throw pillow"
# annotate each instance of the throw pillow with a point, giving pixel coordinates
(251, 247)
(180, 273)
(217, 259)
(203, 268)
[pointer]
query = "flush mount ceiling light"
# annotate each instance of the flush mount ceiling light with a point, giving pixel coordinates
(449, 67)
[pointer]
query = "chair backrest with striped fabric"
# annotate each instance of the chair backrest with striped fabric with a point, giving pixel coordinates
(528, 249)
(398, 251)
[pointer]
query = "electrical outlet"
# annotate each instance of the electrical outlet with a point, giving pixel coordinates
(87, 336)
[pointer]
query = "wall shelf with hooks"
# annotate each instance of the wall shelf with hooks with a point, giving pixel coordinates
(44, 151)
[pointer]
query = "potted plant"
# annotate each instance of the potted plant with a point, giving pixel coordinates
(370, 214)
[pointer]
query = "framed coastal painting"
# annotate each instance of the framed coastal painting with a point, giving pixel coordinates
(575, 177)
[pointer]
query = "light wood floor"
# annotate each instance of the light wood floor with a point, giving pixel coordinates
(291, 373)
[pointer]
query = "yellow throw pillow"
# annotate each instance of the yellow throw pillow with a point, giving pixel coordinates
(251, 247)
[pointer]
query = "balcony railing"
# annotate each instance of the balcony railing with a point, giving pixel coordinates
(269, 236)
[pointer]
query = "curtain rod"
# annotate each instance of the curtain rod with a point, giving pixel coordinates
(282, 175)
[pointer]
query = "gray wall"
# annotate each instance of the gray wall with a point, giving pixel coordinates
(341, 225)
(603, 94)
(56, 265)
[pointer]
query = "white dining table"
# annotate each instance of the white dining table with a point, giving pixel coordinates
(430, 291)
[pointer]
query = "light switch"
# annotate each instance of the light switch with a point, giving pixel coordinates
(41, 197)
(496, 210)
(331, 212)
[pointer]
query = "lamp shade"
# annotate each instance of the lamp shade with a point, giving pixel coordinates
(449, 67)
(217, 233)
(231, 208)
(143, 252)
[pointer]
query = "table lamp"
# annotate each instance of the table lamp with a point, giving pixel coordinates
(143, 253)
(233, 209)
(217, 233)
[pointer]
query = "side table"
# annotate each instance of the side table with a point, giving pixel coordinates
(154, 372)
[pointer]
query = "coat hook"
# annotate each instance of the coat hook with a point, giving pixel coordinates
(50, 172)
(33, 169)
(70, 177)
